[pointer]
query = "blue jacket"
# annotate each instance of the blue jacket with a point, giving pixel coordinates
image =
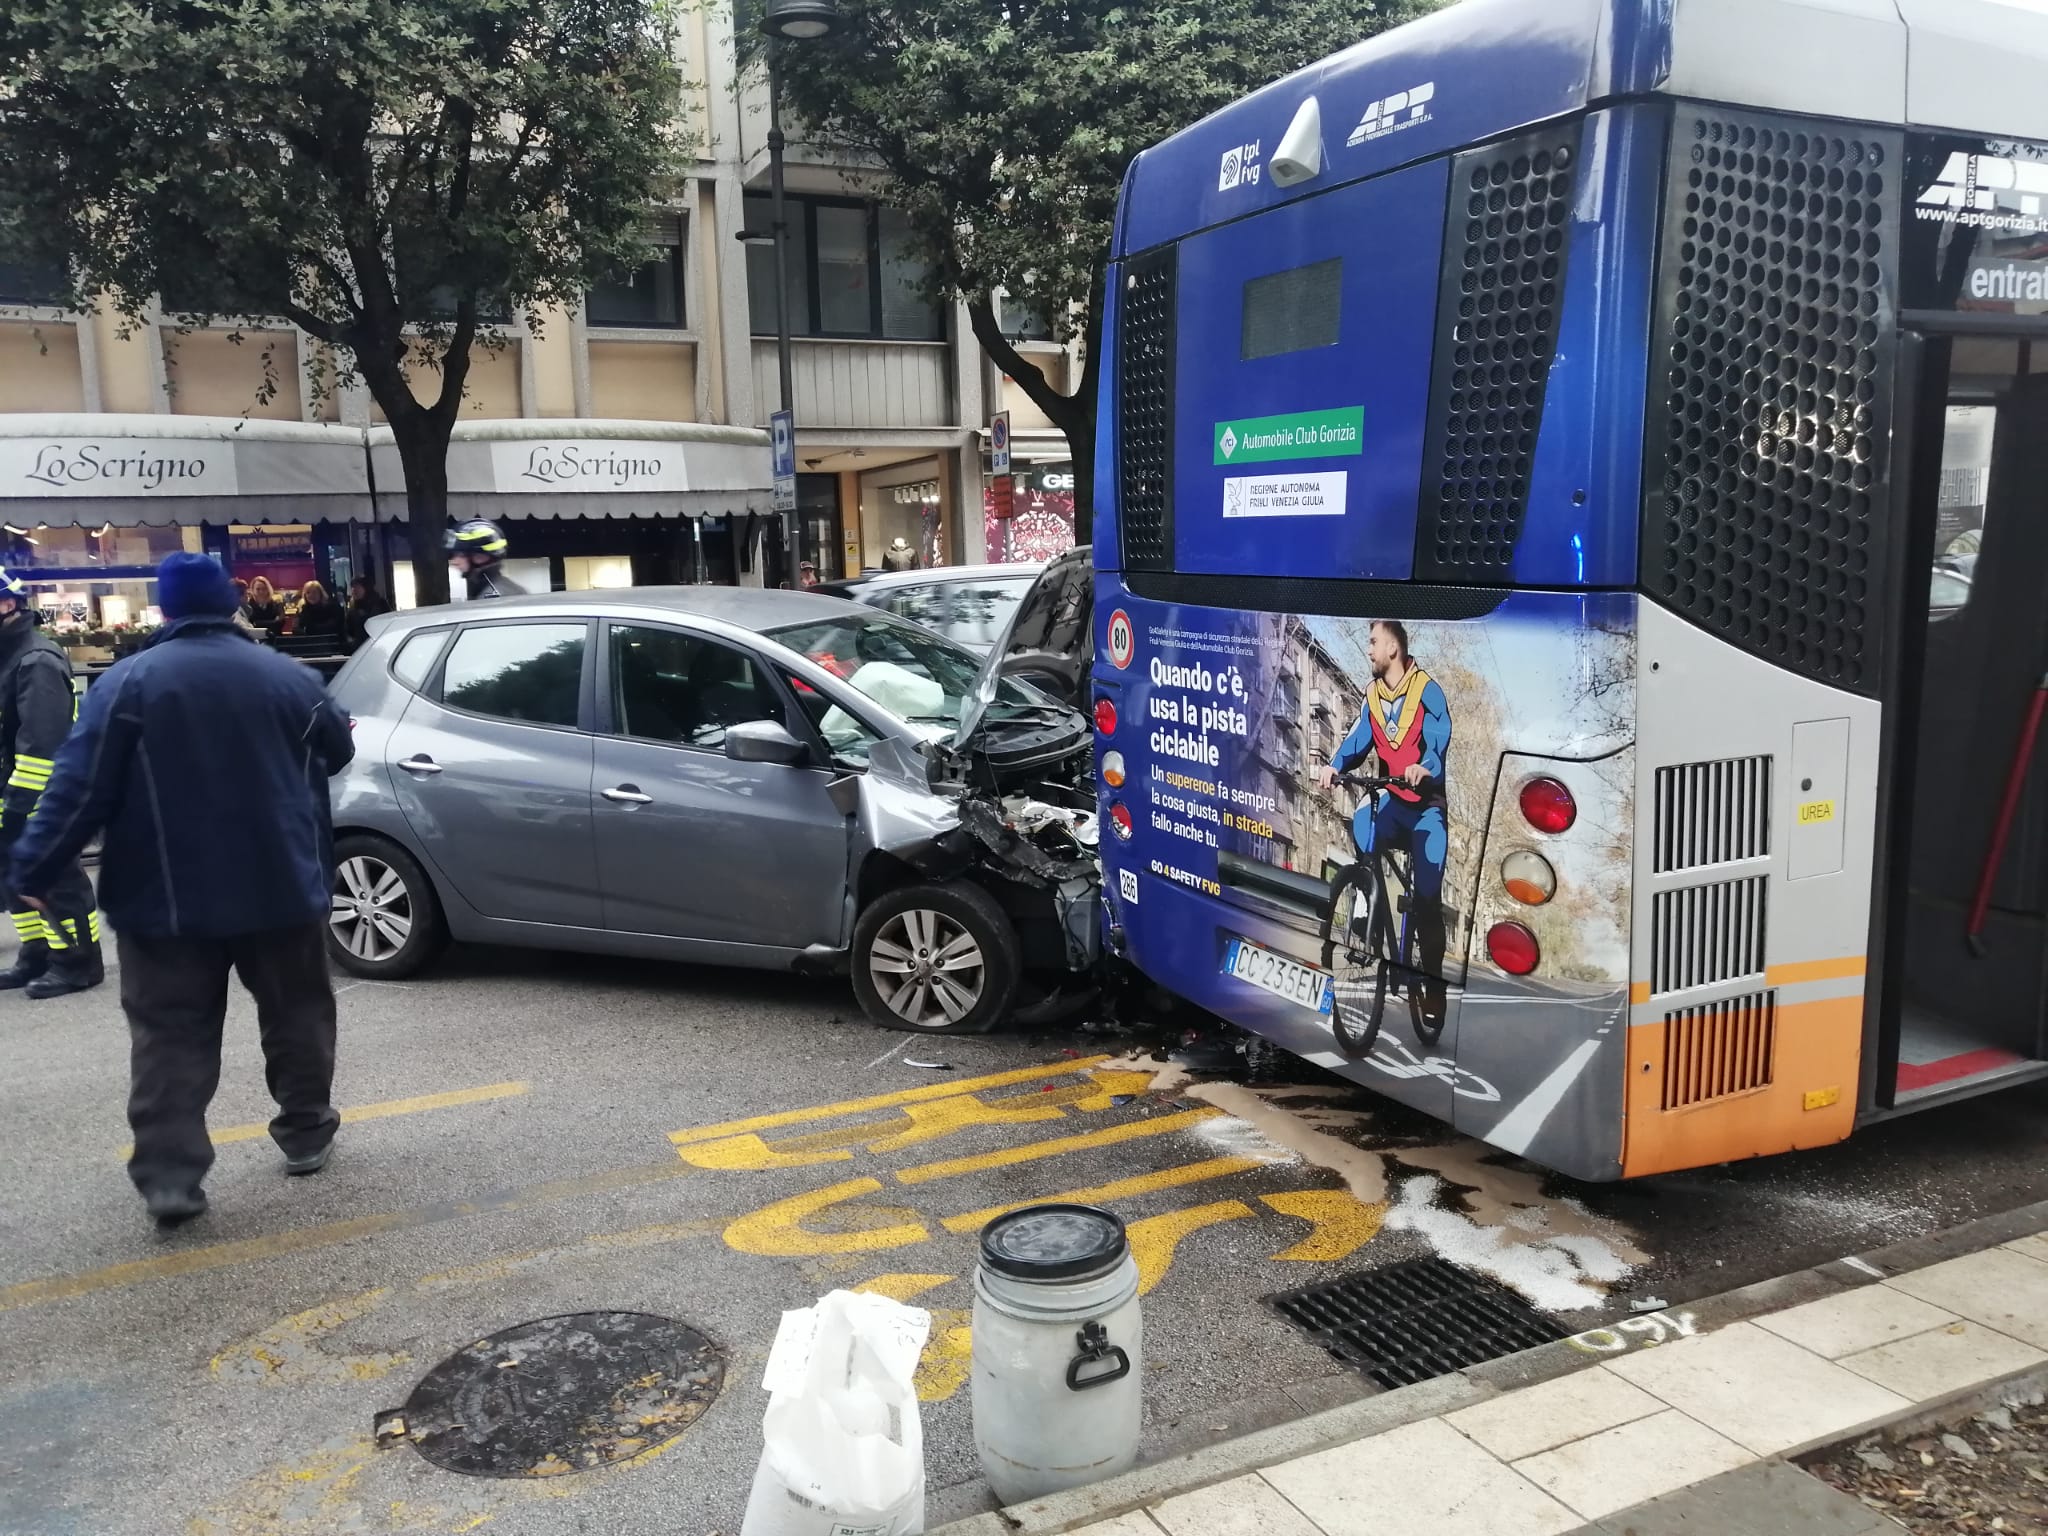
(205, 757)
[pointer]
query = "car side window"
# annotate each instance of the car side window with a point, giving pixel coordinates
(847, 736)
(930, 605)
(684, 689)
(416, 657)
(527, 672)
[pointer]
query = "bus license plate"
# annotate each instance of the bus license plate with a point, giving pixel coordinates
(1298, 983)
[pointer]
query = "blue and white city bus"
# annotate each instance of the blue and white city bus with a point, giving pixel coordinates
(1547, 668)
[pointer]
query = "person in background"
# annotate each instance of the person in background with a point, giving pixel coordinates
(199, 732)
(319, 614)
(60, 940)
(365, 602)
(262, 608)
(476, 549)
(807, 574)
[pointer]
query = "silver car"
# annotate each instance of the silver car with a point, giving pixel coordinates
(741, 776)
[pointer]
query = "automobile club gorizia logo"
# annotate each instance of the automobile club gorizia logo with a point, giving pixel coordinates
(1123, 640)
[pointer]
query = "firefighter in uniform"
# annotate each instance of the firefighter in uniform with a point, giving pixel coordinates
(477, 550)
(60, 946)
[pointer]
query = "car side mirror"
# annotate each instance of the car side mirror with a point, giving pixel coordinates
(763, 741)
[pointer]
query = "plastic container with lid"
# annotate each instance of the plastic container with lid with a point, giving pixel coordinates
(1058, 1366)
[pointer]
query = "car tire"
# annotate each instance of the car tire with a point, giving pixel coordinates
(936, 960)
(401, 929)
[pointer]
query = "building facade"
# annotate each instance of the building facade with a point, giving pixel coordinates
(653, 391)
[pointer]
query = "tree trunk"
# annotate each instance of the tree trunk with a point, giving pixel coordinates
(422, 444)
(1073, 414)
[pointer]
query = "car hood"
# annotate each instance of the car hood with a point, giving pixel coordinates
(1055, 619)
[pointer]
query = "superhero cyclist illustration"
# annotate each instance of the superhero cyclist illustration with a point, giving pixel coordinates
(1406, 724)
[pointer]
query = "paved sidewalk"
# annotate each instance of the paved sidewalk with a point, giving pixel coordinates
(1677, 1430)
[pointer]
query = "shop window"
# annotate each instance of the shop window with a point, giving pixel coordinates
(527, 672)
(683, 689)
(27, 282)
(853, 272)
(651, 296)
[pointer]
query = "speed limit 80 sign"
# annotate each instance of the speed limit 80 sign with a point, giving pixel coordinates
(1123, 641)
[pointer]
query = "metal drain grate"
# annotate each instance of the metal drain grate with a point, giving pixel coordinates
(1416, 1320)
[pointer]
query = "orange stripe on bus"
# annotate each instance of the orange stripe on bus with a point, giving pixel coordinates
(1814, 970)
(1639, 992)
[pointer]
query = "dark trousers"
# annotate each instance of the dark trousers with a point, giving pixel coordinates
(175, 993)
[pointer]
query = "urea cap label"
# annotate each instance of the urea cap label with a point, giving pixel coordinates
(1816, 811)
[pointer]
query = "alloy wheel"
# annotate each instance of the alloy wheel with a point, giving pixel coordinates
(372, 917)
(928, 968)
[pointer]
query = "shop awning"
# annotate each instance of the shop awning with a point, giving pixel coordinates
(578, 468)
(222, 470)
(179, 469)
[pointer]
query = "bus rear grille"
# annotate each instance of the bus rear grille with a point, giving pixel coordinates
(1712, 813)
(1705, 934)
(1145, 412)
(1719, 1049)
(1499, 304)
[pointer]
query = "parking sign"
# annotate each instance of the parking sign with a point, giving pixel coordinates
(782, 450)
(999, 444)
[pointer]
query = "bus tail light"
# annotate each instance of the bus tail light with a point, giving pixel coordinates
(1513, 948)
(1528, 877)
(1548, 806)
(1105, 717)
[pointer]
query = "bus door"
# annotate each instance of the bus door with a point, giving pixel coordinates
(1967, 1007)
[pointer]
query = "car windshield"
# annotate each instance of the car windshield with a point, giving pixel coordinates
(917, 676)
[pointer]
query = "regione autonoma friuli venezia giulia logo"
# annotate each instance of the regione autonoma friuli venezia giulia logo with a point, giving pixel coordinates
(1240, 167)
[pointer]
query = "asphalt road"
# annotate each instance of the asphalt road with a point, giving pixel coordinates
(548, 1136)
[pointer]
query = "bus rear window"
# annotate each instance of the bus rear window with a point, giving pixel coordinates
(1292, 311)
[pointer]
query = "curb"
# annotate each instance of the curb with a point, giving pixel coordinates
(1188, 1471)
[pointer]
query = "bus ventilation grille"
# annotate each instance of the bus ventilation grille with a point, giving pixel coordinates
(1415, 1320)
(1719, 1049)
(1498, 309)
(1712, 813)
(1767, 464)
(1705, 934)
(1145, 414)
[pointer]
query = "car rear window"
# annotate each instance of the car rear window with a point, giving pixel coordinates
(416, 657)
(971, 613)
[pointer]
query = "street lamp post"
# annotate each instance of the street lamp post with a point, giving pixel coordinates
(787, 21)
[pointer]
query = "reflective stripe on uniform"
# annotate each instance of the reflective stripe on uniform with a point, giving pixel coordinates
(30, 772)
(28, 926)
(56, 936)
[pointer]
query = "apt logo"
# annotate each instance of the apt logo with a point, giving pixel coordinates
(1390, 114)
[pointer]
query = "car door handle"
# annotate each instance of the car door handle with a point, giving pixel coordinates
(419, 762)
(626, 794)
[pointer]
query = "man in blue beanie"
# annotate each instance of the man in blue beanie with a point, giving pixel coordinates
(199, 748)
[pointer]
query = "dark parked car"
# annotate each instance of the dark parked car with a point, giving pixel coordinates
(741, 776)
(968, 604)
(977, 606)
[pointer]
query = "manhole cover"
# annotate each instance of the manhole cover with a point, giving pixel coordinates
(1411, 1321)
(561, 1394)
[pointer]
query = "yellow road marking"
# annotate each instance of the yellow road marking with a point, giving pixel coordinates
(289, 1351)
(383, 1111)
(1058, 1146)
(1120, 1189)
(1154, 1239)
(885, 1100)
(777, 1231)
(194, 1261)
(1342, 1222)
